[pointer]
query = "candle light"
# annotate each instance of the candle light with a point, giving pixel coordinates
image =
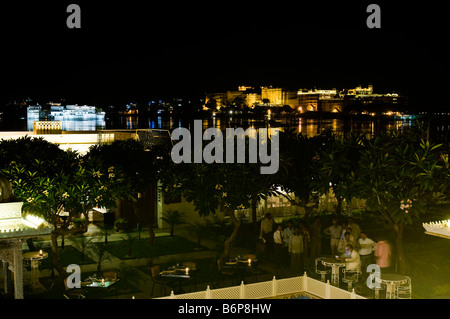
(103, 282)
(40, 252)
(187, 271)
(249, 261)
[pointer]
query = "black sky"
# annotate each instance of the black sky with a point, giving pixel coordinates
(136, 50)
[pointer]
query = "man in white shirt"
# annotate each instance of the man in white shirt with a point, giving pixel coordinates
(288, 232)
(366, 248)
(334, 231)
(278, 244)
(296, 252)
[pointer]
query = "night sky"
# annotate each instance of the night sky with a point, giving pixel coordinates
(139, 50)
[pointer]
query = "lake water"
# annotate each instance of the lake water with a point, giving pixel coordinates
(309, 127)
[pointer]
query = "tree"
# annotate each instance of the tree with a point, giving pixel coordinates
(100, 250)
(299, 166)
(82, 243)
(211, 187)
(141, 168)
(397, 176)
(50, 181)
(338, 170)
(129, 239)
(218, 186)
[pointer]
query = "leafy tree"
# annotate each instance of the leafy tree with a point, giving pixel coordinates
(129, 239)
(82, 243)
(100, 250)
(398, 177)
(216, 186)
(50, 181)
(299, 166)
(141, 168)
(338, 170)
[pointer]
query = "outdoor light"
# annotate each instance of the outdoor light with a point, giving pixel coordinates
(249, 262)
(40, 252)
(187, 271)
(103, 282)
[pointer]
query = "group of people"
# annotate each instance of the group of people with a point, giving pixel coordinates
(295, 245)
(348, 242)
(283, 244)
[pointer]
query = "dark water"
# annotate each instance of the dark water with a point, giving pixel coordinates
(309, 127)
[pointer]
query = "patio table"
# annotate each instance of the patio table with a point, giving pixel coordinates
(392, 280)
(335, 265)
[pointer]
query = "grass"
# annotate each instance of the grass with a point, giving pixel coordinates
(427, 257)
(164, 245)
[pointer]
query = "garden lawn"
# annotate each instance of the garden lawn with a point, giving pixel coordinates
(162, 246)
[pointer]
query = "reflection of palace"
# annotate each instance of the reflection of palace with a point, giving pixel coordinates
(73, 117)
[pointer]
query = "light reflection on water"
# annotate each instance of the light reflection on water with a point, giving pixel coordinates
(308, 127)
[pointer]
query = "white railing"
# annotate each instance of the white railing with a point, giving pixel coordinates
(275, 288)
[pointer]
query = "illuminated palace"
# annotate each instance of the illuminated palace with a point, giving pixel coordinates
(302, 100)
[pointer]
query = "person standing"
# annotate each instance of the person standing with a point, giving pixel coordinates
(383, 256)
(356, 230)
(266, 231)
(296, 251)
(288, 232)
(306, 240)
(316, 238)
(278, 245)
(334, 231)
(366, 247)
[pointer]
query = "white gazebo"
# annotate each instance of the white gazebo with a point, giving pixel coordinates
(14, 230)
(439, 229)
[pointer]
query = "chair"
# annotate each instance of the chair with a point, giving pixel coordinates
(404, 291)
(320, 269)
(377, 290)
(110, 275)
(192, 271)
(350, 277)
(157, 279)
(73, 293)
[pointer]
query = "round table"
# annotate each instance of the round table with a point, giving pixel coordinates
(35, 257)
(392, 280)
(335, 265)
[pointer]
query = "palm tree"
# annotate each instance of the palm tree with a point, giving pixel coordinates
(129, 239)
(173, 218)
(82, 243)
(100, 250)
(105, 230)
